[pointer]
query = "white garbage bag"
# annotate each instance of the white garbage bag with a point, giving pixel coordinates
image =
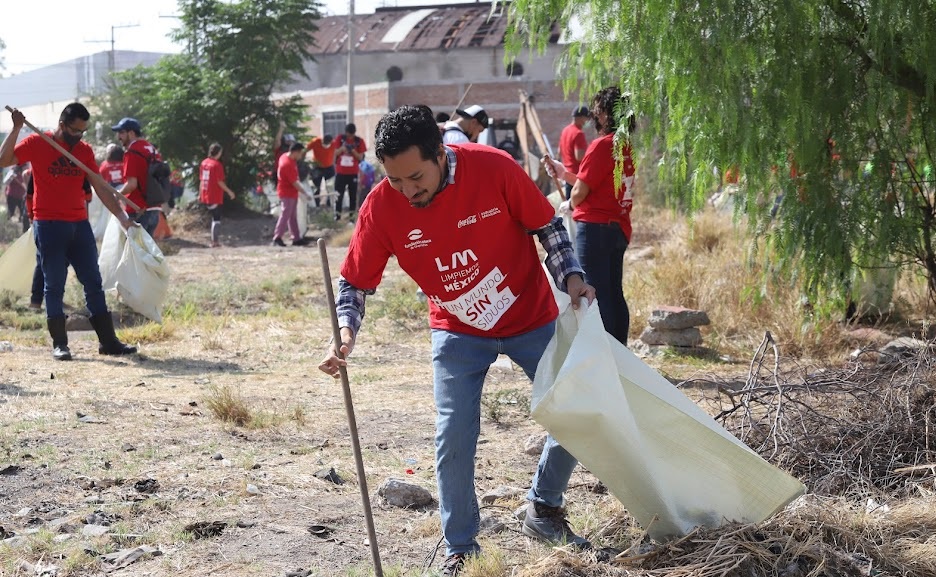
(302, 215)
(112, 248)
(662, 456)
(17, 264)
(142, 275)
(98, 216)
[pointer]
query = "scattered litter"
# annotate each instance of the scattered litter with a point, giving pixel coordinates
(330, 475)
(124, 557)
(6, 347)
(10, 470)
(146, 485)
(205, 529)
(320, 530)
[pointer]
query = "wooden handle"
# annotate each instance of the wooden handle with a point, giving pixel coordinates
(78, 163)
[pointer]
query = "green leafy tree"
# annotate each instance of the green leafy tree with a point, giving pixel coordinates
(826, 105)
(219, 89)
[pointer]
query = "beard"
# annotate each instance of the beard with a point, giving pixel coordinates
(425, 197)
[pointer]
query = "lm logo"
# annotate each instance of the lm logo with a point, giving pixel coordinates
(415, 234)
(459, 259)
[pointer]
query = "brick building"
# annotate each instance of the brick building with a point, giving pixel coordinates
(427, 55)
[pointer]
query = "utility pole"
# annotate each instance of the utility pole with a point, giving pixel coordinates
(111, 65)
(350, 61)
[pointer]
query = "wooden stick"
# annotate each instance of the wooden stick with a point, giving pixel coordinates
(79, 164)
(462, 101)
(349, 409)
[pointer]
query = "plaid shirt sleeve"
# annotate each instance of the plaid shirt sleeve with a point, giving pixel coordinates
(560, 259)
(350, 305)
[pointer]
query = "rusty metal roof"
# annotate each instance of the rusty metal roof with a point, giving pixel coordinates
(442, 27)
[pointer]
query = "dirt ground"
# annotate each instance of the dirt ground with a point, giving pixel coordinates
(131, 443)
(146, 417)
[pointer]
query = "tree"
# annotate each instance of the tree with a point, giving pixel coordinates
(826, 104)
(219, 89)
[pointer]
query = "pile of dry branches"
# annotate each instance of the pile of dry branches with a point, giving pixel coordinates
(865, 430)
(817, 536)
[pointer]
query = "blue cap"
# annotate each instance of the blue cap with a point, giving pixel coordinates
(128, 124)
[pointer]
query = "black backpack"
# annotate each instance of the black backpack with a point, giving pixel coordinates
(158, 187)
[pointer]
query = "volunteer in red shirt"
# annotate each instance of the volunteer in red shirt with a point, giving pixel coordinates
(212, 188)
(323, 168)
(460, 221)
(349, 150)
(602, 211)
(137, 152)
(288, 187)
(572, 143)
(61, 228)
(112, 167)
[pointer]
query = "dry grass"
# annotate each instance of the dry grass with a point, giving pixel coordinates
(227, 405)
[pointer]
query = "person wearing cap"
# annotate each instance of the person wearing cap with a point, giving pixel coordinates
(349, 151)
(460, 220)
(572, 143)
(137, 154)
(469, 125)
(601, 210)
(61, 229)
(323, 164)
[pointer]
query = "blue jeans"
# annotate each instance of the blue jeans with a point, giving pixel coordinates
(600, 250)
(60, 243)
(148, 219)
(460, 362)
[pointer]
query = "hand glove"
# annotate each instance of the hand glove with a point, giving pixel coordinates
(565, 207)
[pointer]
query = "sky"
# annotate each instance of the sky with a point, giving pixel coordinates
(42, 32)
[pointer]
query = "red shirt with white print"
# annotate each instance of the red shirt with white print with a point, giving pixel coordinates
(469, 250)
(604, 203)
(211, 172)
(136, 164)
(345, 162)
(58, 183)
(112, 172)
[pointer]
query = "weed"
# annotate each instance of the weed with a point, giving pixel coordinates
(496, 404)
(228, 406)
(399, 304)
(298, 415)
(148, 333)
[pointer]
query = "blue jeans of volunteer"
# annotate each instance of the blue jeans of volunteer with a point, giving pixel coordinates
(148, 219)
(600, 250)
(61, 243)
(459, 363)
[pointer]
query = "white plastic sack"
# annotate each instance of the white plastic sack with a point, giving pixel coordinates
(112, 248)
(302, 215)
(98, 216)
(142, 275)
(659, 453)
(17, 265)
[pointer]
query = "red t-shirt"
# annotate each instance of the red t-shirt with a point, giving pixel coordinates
(211, 172)
(59, 185)
(571, 139)
(112, 172)
(138, 166)
(324, 155)
(597, 171)
(287, 173)
(469, 250)
(345, 163)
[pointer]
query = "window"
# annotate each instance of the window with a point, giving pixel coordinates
(334, 122)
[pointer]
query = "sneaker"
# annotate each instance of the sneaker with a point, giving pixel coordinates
(550, 524)
(453, 564)
(300, 242)
(278, 242)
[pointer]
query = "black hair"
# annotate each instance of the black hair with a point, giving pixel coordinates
(74, 111)
(296, 146)
(442, 117)
(326, 140)
(609, 100)
(115, 154)
(214, 149)
(350, 128)
(405, 127)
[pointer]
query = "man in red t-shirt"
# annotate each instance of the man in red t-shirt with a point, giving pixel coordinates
(137, 155)
(460, 221)
(212, 187)
(602, 210)
(323, 169)
(572, 143)
(61, 228)
(349, 150)
(288, 187)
